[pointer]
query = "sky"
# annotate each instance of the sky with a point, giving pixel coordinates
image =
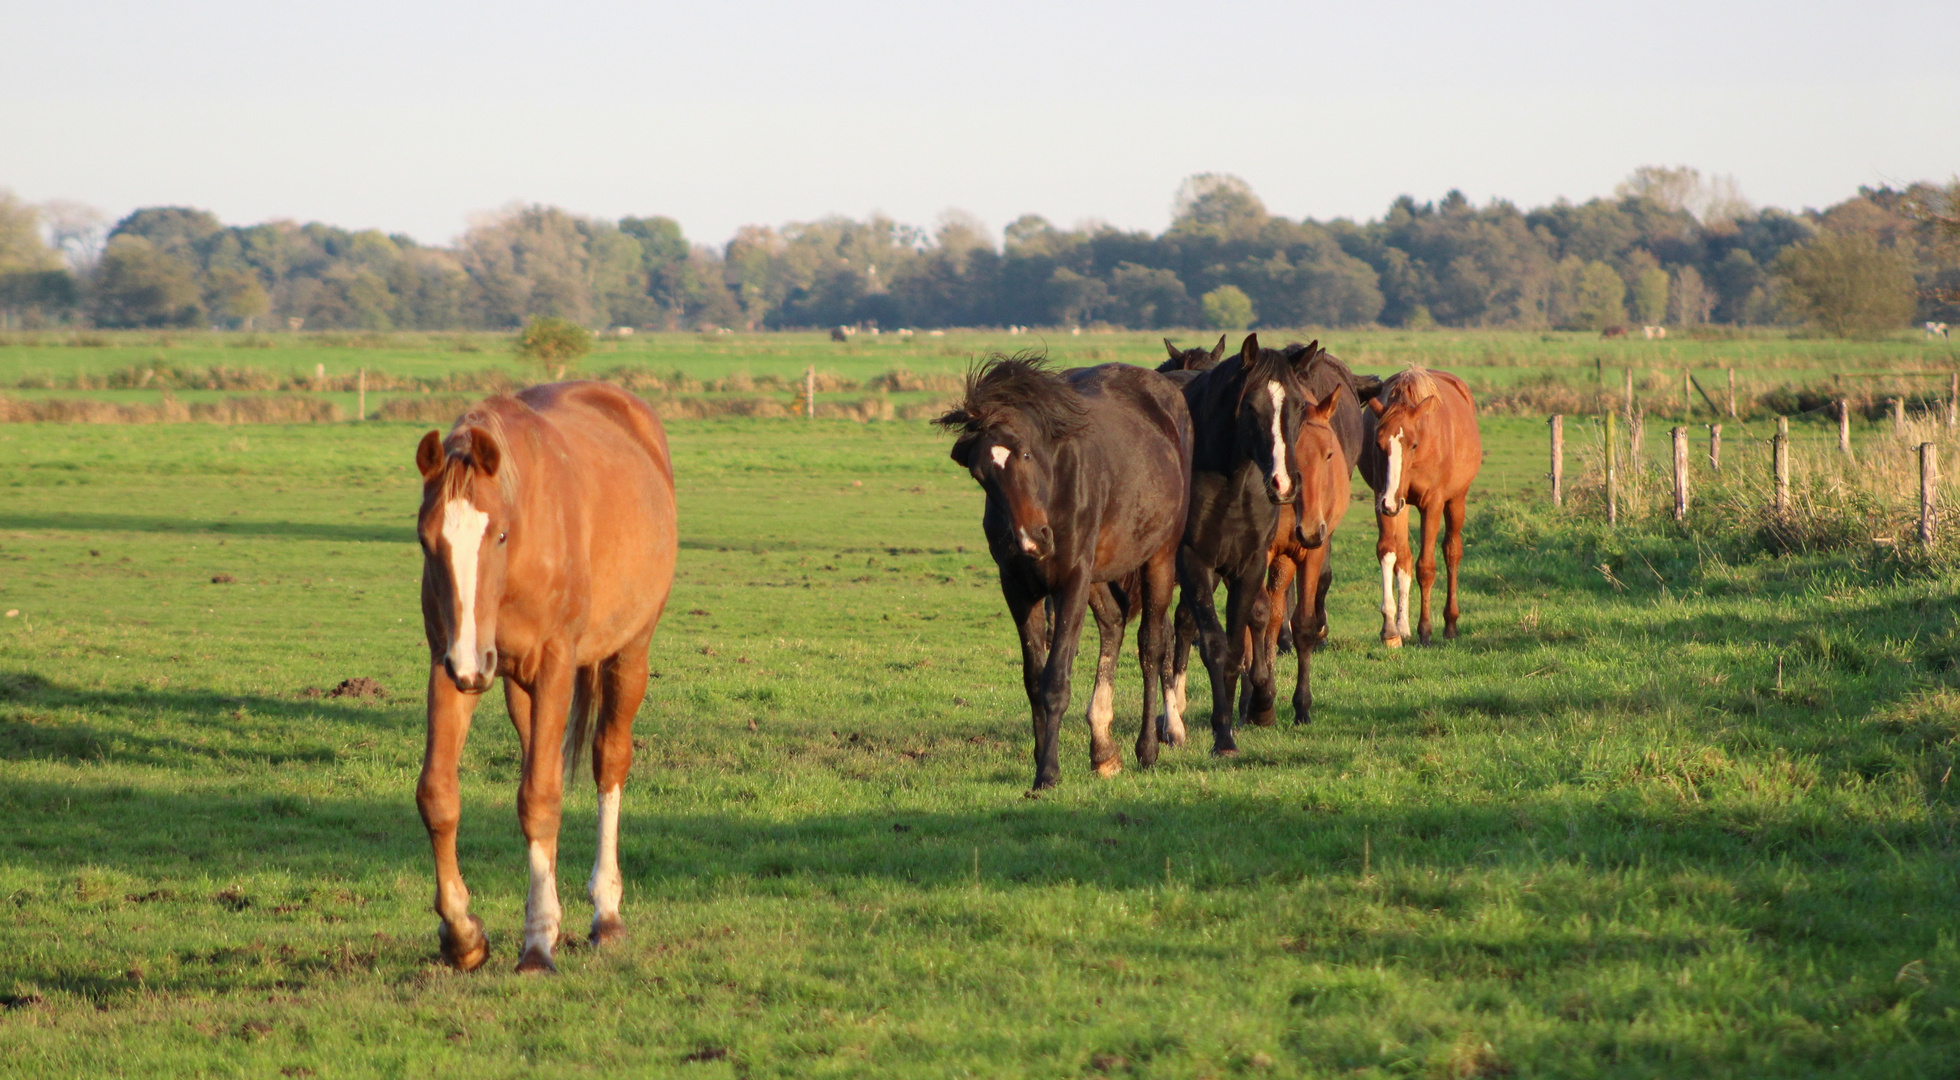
(414, 116)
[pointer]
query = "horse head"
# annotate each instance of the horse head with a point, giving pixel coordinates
(1014, 415)
(1402, 413)
(1199, 359)
(464, 527)
(1273, 400)
(1318, 450)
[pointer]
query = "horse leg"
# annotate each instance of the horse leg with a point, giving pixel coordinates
(623, 686)
(1452, 556)
(1317, 626)
(1432, 519)
(1221, 659)
(1031, 622)
(1102, 700)
(1265, 699)
(1392, 551)
(1064, 637)
(1159, 581)
(1247, 610)
(540, 802)
(1307, 616)
(1170, 727)
(464, 945)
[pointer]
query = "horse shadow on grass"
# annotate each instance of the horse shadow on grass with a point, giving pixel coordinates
(1353, 882)
(157, 523)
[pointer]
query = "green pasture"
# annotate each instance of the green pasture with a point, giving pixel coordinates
(1665, 809)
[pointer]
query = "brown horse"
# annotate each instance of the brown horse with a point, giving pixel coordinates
(1422, 448)
(548, 544)
(1301, 547)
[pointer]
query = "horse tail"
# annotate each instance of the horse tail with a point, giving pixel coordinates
(579, 728)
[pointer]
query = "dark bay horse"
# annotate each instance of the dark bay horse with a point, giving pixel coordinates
(548, 544)
(1422, 448)
(1085, 473)
(1193, 360)
(1247, 413)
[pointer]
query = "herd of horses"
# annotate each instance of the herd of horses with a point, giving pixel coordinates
(548, 532)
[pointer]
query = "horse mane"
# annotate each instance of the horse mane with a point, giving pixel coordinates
(1022, 384)
(487, 415)
(1411, 386)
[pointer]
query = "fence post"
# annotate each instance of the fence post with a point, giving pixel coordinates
(1953, 401)
(1715, 447)
(1687, 396)
(1780, 464)
(1898, 416)
(1929, 469)
(1731, 393)
(1612, 477)
(1680, 474)
(810, 392)
(360, 398)
(1629, 394)
(1636, 438)
(1558, 460)
(1844, 426)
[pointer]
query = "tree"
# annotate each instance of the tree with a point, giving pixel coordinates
(1149, 298)
(1218, 204)
(1602, 297)
(1650, 295)
(553, 343)
(1845, 284)
(1688, 300)
(141, 285)
(21, 247)
(1227, 308)
(238, 298)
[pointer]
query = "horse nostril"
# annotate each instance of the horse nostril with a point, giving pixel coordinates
(449, 666)
(490, 661)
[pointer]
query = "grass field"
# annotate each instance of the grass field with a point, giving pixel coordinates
(1665, 810)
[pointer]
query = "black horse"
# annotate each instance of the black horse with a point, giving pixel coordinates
(1192, 360)
(1246, 413)
(1086, 473)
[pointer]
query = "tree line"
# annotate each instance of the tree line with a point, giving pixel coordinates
(1669, 247)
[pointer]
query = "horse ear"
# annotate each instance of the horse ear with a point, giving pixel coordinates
(1425, 407)
(1218, 350)
(428, 456)
(1324, 409)
(1375, 406)
(1304, 359)
(962, 454)
(1249, 351)
(485, 452)
(1172, 349)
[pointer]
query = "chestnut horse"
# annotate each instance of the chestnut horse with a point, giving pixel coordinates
(1423, 449)
(548, 545)
(1086, 475)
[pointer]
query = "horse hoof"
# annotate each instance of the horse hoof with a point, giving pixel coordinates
(1264, 718)
(606, 929)
(536, 961)
(466, 954)
(1449, 633)
(1228, 751)
(1177, 739)
(1107, 769)
(1302, 717)
(1391, 641)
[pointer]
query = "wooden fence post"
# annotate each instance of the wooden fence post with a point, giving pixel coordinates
(1612, 478)
(1687, 396)
(1636, 439)
(1953, 401)
(360, 398)
(1558, 460)
(1844, 426)
(1731, 393)
(1780, 464)
(1629, 394)
(810, 392)
(1715, 447)
(1680, 474)
(1929, 469)
(1898, 416)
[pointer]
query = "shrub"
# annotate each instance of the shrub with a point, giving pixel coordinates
(553, 343)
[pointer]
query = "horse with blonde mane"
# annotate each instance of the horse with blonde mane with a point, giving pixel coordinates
(1421, 447)
(548, 545)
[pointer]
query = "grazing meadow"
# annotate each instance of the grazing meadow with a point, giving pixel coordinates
(1672, 806)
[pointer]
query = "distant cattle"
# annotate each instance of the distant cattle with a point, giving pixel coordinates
(1654, 333)
(1613, 332)
(842, 333)
(1936, 329)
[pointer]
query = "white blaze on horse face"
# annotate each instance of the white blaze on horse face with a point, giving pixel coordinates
(606, 885)
(463, 527)
(1027, 544)
(1281, 482)
(1000, 456)
(1390, 504)
(541, 912)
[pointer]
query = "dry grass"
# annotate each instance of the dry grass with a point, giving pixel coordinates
(278, 409)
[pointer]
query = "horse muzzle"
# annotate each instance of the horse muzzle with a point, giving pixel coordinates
(1318, 537)
(1038, 542)
(475, 682)
(1389, 505)
(1274, 495)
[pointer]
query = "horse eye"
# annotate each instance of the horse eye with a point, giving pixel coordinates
(1025, 456)
(501, 536)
